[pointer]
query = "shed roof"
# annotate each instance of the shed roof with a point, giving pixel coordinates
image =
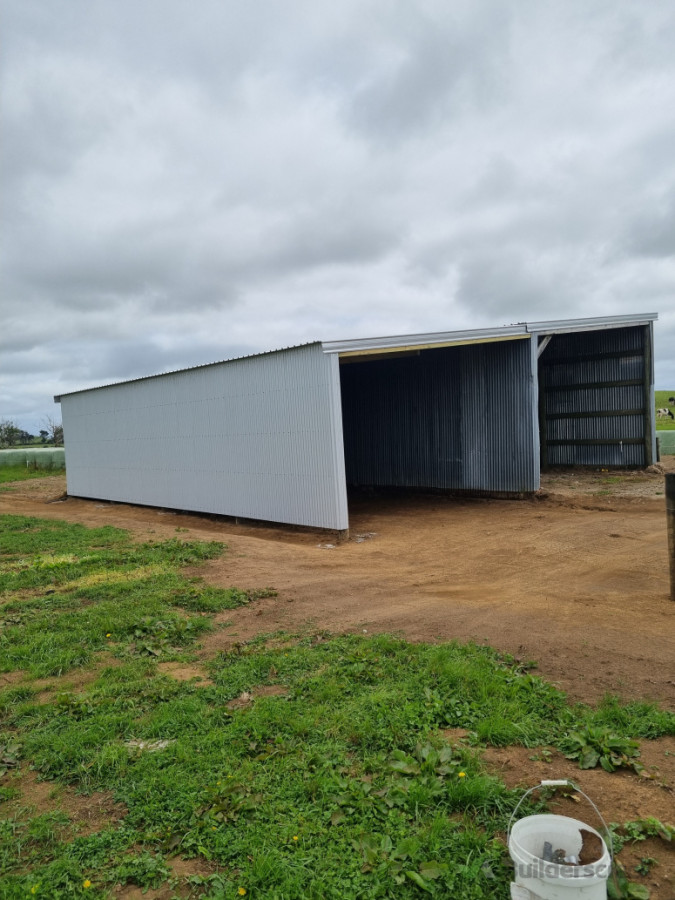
(403, 342)
(482, 335)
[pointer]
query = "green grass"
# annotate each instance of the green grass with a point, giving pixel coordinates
(68, 592)
(25, 473)
(661, 400)
(336, 782)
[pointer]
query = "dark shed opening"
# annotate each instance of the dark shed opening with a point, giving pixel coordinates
(458, 418)
(595, 399)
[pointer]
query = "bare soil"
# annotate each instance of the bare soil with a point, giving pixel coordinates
(576, 578)
(87, 813)
(181, 871)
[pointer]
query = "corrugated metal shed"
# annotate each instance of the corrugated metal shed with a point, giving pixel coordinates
(257, 438)
(261, 437)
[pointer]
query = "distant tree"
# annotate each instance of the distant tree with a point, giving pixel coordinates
(44, 434)
(54, 431)
(25, 437)
(9, 433)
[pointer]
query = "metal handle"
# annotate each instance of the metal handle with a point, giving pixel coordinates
(561, 782)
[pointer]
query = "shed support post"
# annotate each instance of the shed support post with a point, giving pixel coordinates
(670, 517)
(543, 423)
(648, 396)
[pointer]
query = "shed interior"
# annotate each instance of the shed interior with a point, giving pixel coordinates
(595, 398)
(474, 417)
(455, 417)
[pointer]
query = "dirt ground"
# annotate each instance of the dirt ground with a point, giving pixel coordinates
(576, 579)
(620, 796)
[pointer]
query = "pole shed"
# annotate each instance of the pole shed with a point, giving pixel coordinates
(280, 436)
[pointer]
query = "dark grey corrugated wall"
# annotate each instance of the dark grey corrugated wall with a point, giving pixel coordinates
(594, 398)
(456, 418)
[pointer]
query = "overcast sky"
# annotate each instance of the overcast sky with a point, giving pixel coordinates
(188, 180)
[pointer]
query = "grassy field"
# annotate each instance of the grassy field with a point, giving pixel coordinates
(661, 399)
(316, 767)
(24, 473)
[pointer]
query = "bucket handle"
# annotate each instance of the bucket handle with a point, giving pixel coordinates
(561, 782)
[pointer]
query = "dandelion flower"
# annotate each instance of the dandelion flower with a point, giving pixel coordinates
(33, 890)
(108, 634)
(86, 883)
(241, 891)
(462, 775)
(295, 837)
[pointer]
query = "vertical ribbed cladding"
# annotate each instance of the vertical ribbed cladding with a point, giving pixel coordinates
(456, 418)
(497, 418)
(593, 387)
(254, 438)
(607, 455)
(586, 343)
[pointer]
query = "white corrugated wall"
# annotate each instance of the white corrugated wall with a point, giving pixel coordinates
(259, 438)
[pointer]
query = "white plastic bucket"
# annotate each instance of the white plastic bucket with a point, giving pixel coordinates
(537, 879)
(549, 880)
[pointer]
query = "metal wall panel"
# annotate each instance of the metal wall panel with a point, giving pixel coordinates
(610, 427)
(456, 418)
(594, 388)
(257, 438)
(608, 455)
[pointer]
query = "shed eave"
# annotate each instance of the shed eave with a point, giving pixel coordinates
(567, 326)
(424, 341)
(405, 342)
(435, 345)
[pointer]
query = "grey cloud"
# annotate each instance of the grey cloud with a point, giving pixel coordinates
(652, 231)
(511, 284)
(137, 358)
(436, 67)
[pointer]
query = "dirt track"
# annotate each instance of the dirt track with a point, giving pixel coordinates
(576, 579)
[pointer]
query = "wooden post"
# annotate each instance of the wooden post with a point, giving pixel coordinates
(670, 517)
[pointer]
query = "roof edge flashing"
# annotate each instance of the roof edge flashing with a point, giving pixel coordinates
(481, 335)
(425, 341)
(408, 349)
(562, 326)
